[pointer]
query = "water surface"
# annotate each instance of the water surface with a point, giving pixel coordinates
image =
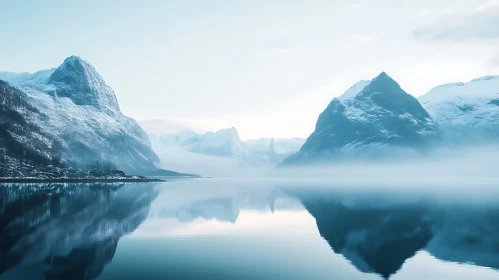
(248, 229)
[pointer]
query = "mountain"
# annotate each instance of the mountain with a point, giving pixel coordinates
(467, 113)
(222, 143)
(71, 115)
(373, 119)
(160, 126)
(285, 146)
(19, 137)
(274, 151)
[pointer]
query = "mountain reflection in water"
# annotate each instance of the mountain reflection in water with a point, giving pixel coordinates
(378, 231)
(66, 231)
(216, 229)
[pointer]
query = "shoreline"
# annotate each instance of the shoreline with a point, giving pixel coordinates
(79, 180)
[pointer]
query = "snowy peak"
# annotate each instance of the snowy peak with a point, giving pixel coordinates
(78, 111)
(377, 121)
(467, 113)
(486, 78)
(386, 94)
(481, 87)
(383, 84)
(353, 91)
(221, 143)
(78, 80)
(229, 135)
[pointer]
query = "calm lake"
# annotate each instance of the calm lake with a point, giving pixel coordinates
(248, 229)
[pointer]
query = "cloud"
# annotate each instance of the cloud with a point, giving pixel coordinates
(447, 11)
(362, 38)
(424, 13)
(461, 27)
(354, 6)
(495, 61)
(488, 6)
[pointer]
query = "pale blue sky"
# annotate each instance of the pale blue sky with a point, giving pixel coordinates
(268, 67)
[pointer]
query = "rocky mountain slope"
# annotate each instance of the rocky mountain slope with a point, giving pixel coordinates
(70, 115)
(373, 119)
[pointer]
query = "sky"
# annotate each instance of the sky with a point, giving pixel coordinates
(266, 67)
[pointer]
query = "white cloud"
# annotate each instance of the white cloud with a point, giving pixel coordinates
(495, 61)
(447, 11)
(487, 6)
(424, 13)
(354, 6)
(363, 38)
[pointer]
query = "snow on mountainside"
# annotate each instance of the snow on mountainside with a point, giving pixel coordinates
(222, 143)
(226, 144)
(75, 107)
(466, 112)
(373, 119)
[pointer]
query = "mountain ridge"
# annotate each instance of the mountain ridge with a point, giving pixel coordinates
(380, 119)
(78, 111)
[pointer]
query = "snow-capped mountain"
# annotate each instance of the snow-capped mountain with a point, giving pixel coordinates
(226, 143)
(467, 113)
(222, 143)
(374, 118)
(73, 113)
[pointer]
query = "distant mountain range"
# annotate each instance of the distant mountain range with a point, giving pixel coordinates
(67, 116)
(226, 143)
(377, 119)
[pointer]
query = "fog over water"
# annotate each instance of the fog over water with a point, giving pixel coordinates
(443, 166)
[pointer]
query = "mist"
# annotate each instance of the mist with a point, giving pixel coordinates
(444, 166)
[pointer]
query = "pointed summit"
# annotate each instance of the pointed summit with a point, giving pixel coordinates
(78, 80)
(385, 84)
(271, 148)
(73, 58)
(383, 75)
(371, 120)
(381, 83)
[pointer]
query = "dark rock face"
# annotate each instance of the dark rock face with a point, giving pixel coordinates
(66, 231)
(20, 139)
(379, 121)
